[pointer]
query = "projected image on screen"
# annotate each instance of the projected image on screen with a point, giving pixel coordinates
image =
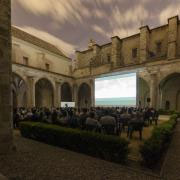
(119, 90)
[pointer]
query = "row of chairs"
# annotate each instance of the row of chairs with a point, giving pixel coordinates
(114, 130)
(124, 124)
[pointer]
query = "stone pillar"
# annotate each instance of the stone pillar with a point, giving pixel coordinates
(144, 43)
(96, 49)
(6, 138)
(75, 94)
(78, 61)
(96, 55)
(172, 37)
(137, 90)
(116, 51)
(57, 94)
(160, 98)
(153, 90)
(16, 53)
(30, 92)
(92, 83)
(18, 99)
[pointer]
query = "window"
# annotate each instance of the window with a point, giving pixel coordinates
(47, 66)
(167, 105)
(158, 47)
(25, 60)
(108, 58)
(134, 52)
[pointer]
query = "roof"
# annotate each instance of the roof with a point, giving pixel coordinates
(18, 33)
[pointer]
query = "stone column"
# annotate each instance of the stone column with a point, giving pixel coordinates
(172, 37)
(57, 94)
(75, 94)
(30, 92)
(96, 54)
(137, 90)
(153, 90)
(144, 43)
(6, 138)
(78, 59)
(92, 82)
(116, 51)
(160, 99)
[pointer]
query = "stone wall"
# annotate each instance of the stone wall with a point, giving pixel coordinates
(158, 35)
(178, 41)
(5, 77)
(165, 37)
(31, 76)
(39, 57)
(127, 45)
(152, 66)
(83, 59)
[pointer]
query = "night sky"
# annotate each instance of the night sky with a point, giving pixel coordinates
(69, 24)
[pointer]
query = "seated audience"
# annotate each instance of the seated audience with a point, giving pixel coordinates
(63, 120)
(110, 120)
(82, 118)
(92, 123)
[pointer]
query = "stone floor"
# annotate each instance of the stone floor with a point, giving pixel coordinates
(3, 177)
(37, 161)
(171, 166)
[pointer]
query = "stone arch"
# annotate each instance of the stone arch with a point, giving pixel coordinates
(144, 91)
(44, 93)
(47, 78)
(66, 92)
(19, 91)
(20, 75)
(84, 96)
(166, 74)
(169, 91)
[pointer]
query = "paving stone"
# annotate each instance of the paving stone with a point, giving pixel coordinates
(37, 161)
(171, 166)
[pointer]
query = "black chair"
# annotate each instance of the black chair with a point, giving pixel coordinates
(135, 126)
(109, 129)
(89, 127)
(156, 117)
(123, 123)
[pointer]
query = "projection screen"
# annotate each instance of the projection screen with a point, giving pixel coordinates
(117, 90)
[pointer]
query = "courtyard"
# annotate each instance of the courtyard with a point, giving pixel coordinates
(76, 73)
(35, 160)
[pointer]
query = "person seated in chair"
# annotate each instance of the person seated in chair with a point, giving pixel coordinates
(92, 123)
(155, 116)
(54, 116)
(28, 115)
(82, 118)
(73, 119)
(136, 124)
(108, 123)
(125, 118)
(63, 120)
(16, 118)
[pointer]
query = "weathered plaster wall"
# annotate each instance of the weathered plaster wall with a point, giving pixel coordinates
(127, 45)
(159, 34)
(38, 57)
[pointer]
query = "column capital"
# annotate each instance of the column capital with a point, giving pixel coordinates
(58, 82)
(91, 81)
(30, 76)
(153, 71)
(31, 91)
(75, 85)
(57, 93)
